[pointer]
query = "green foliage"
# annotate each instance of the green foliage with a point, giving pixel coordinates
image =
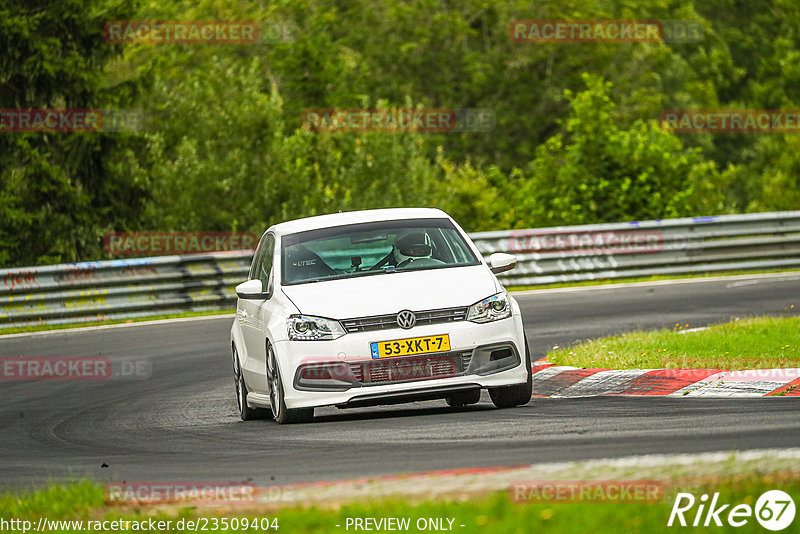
(55, 195)
(471, 195)
(779, 185)
(234, 148)
(222, 148)
(598, 172)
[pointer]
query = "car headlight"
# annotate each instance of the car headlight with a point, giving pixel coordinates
(308, 328)
(489, 309)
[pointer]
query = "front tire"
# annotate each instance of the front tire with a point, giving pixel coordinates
(280, 412)
(245, 412)
(518, 394)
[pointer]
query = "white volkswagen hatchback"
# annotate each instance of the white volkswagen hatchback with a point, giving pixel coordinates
(374, 307)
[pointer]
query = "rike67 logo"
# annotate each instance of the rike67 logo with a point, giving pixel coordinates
(774, 510)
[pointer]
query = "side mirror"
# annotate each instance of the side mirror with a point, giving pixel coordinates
(251, 289)
(500, 262)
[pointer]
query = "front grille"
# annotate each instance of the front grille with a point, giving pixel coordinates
(384, 322)
(410, 368)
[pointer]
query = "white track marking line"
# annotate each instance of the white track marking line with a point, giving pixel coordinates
(735, 389)
(772, 277)
(602, 383)
(759, 281)
(747, 383)
(120, 325)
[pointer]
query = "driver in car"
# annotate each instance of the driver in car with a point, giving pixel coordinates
(413, 250)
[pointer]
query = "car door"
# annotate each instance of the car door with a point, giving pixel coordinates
(253, 315)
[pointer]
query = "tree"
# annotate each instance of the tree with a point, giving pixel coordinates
(595, 171)
(56, 198)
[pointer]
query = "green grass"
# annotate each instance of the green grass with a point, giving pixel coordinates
(494, 513)
(44, 327)
(54, 501)
(655, 278)
(758, 343)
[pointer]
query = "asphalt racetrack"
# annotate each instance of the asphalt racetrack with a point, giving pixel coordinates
(181, 424)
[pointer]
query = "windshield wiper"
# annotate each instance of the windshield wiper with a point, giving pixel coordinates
(352, 275)
(349, 275)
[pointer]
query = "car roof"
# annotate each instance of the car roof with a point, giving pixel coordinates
(354, 217)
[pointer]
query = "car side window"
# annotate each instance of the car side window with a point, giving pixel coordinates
(262, 262)
(257, 259)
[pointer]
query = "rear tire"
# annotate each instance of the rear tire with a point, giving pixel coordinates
(245, 412)
(516, 395)
(465, 398)
(281, 413)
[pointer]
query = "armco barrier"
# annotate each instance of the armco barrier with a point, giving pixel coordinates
(93, 291)
(119, 289)
(663, 247)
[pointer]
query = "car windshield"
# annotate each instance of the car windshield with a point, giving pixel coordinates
(372, 248)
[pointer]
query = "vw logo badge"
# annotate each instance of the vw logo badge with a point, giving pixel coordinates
(406, 319)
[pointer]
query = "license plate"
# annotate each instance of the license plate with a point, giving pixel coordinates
(409, 346)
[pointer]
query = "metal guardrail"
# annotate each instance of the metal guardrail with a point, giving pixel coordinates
(129, 288)
(645, 248)
(120, 289)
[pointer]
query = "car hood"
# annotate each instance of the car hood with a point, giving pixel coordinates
(388, 293)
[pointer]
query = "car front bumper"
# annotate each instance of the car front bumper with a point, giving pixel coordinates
(478, 344)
